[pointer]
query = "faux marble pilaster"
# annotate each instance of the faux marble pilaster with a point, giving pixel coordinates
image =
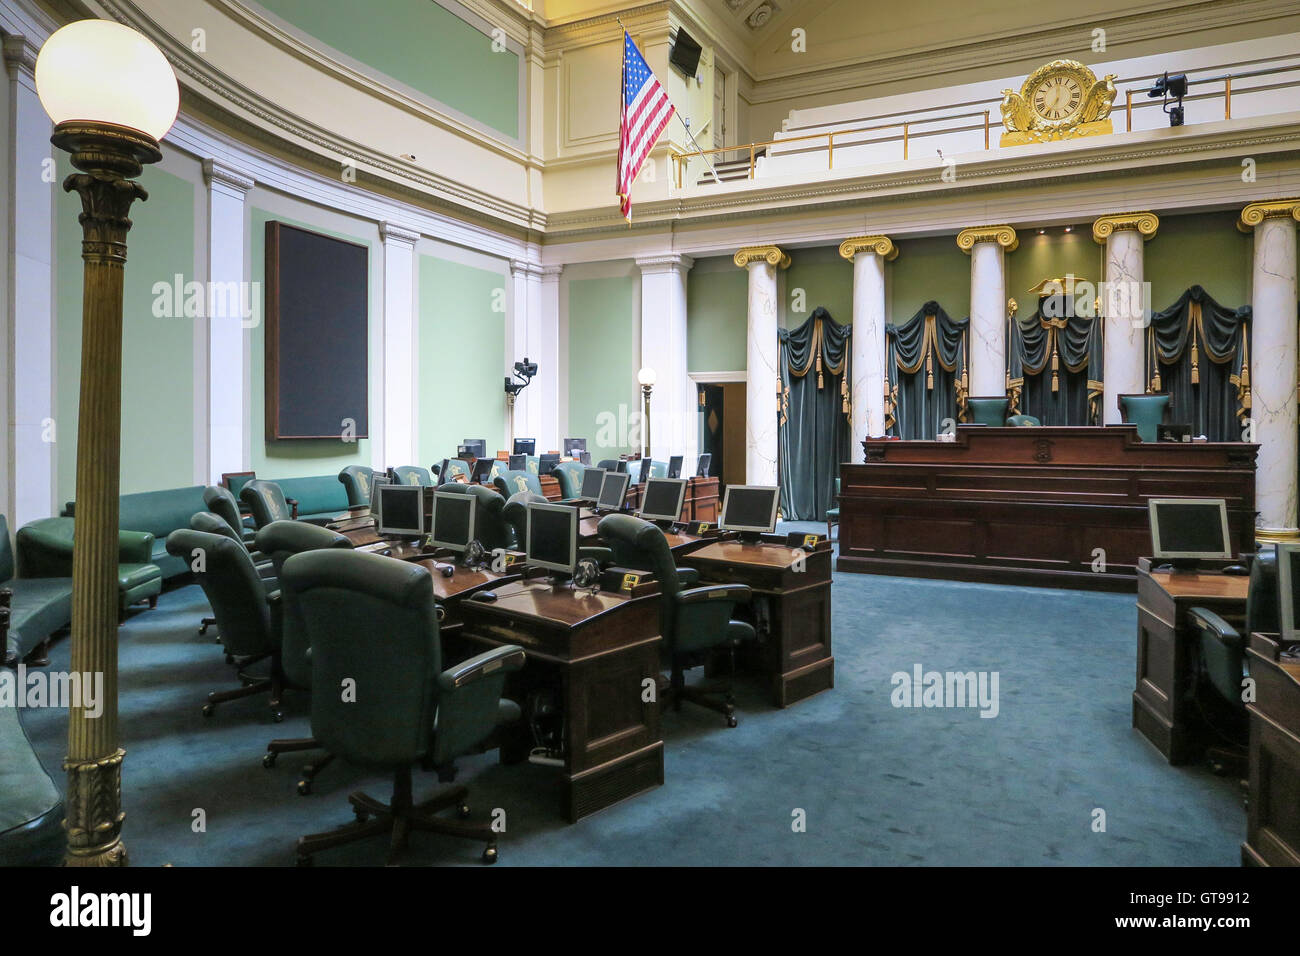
(763, 356)
(399, 431)
(673, 425)
(1124, 306)
(869, 255)
(987, 246)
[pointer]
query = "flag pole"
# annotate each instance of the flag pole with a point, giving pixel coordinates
(689, 134)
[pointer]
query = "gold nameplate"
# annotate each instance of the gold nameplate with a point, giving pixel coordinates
(630, 581)
(811, 539)
(703, 527)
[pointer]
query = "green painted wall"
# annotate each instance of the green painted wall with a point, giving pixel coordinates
(303, 457)
(817, 277)
(603, 351)
(157, 352)
(422, 45)
(1052, 255)
(717, 303)
(928, 268)
(462, 351)
(1203, 249)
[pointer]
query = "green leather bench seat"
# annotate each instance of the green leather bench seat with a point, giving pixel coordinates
(159, 513)
(45, 551)
(40, 607)
(31, 807)
(321, 498)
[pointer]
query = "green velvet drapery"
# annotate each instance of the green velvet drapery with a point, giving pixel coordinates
(925, 364)
(813, 424)
(1054, 366)
(1199, 352)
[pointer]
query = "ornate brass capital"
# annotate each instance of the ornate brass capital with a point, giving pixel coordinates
(1257, 212)
(1004, 236)
(882, 246)
(772, 255)
(1144, 223)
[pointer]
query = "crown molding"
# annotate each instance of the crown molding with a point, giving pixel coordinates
(772, 255)
(881, 246)
(1144, 223)
(1257, 212)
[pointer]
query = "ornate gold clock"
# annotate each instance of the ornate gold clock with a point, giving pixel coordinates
(1060, 100)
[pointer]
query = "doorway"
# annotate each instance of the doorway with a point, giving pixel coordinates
(722, 430)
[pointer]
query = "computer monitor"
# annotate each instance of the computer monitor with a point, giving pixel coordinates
(1288, 583)
(546, 464)
(613, 491)
(592, 479)
(453, 521)
(518, 462)
(482, 468)
(379, 482)
(401, 510)
(675, 466)
(477, 447)
(1189, 530)
(574, 446)
(525, 446)
(643, 475)
(551, 537)
(663, 499)
(749, 509)
(703, 464)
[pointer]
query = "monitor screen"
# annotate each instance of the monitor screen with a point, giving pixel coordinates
(573, 446)
(613, 491)
(453, 520)
(702, 466)
(644, 474)
(525, 446)
(663, 499)
(592, 479)
(518, 462)
(1190, 528)
(401, 510)
(749, 508)
(476, 447)
(1288, 583)
(675, 466)
(552, 537)
(482, 468)
(380, 481)
(546, 464)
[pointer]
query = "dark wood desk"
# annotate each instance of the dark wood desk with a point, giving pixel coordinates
(701, 500)
(595, 653)
(1273, 817)
(1029, 505)
(791, 610)
(1166, 658)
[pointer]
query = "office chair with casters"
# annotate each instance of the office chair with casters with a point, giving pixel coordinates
(356, 481)
(281, 540)
(1223, 661)
(569, 475)
(612, 464)
(243, 609)
(1023, 421)
(408, 711)
(512, 482)
(515, 515)
(988, 410)
(266, 501)
(221, 502)
(1145, 411)
(695, 621)
(456, 468)
(833, 513)
(489, 526)
(413, 475)
(210, 523)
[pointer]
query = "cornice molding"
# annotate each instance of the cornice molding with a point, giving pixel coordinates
(670, 262)
(391, 232)
(772, 255)
(1143, 223)
(1257, 212)
(215, 172)
(20, 56)
(1004, 236)
(882, 246)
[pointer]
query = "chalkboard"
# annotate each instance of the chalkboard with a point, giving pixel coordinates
(317, 335)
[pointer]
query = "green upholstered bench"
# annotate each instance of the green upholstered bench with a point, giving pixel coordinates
(320, 498)
(31, 807)
(159, 513)
(45, 551)
(39, 606)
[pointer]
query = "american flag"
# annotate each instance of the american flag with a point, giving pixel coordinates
(646, 111)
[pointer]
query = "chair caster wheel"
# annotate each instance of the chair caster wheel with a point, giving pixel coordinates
(203, 629)
(304, 787)
(268, 760)
(490, 855)
(462, 811)
(731, 721)
(207, 710)
(276, 717)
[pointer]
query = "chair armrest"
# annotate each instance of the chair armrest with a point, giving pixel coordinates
(602, 556)
(293, 507)
(509, 657)
(135, 547)
(688, 577)
(735, 593)
(1207, 622)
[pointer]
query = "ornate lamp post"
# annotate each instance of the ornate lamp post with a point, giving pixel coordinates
(112, 96)
(646, 377)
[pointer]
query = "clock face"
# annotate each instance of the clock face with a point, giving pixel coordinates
(1057, 98)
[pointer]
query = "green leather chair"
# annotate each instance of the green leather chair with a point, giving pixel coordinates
(988, 410)
(356, 481)
(408, 711)
(515, 515)
(243, 610)
(456, 468)
(266, 502)
(221, 502)
(1023, 421)
(569, 475)
(695, 621)
(211, 523)
(612, 464)
(1144, 411)
(490, 527)
(833, 513)
(412, 475)
(512, 482)
(31, 806)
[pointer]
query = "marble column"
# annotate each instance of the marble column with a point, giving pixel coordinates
(546, 353)
(399, 445)
(1273, 363)
(763, 355)
(987, 246)
(1125, 306)
(227, 271)
(663, 348)
(869, 255)
(522, 274)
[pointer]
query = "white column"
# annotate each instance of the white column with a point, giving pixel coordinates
(869, 255)
(663, 348)
(518, 340)
(29, 307)
(987, 246)
(1124, 306)
(1273, 362)
(546, 386)
(399, 445)
(226, 321)
(761, 370)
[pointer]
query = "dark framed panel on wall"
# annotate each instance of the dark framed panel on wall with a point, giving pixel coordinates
(317, 335)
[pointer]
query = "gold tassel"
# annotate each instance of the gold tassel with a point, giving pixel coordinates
(1056, 382)
(1155, 381)
(1196, 369)
(819, 371)
(1244, 387)
(929, 373)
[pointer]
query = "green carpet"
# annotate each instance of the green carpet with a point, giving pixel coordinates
(877, 784)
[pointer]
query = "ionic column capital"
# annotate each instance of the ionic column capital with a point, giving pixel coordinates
(1143, 223)
(1004, 236)
(772, 255)
(882, 246)
(1257, 212)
